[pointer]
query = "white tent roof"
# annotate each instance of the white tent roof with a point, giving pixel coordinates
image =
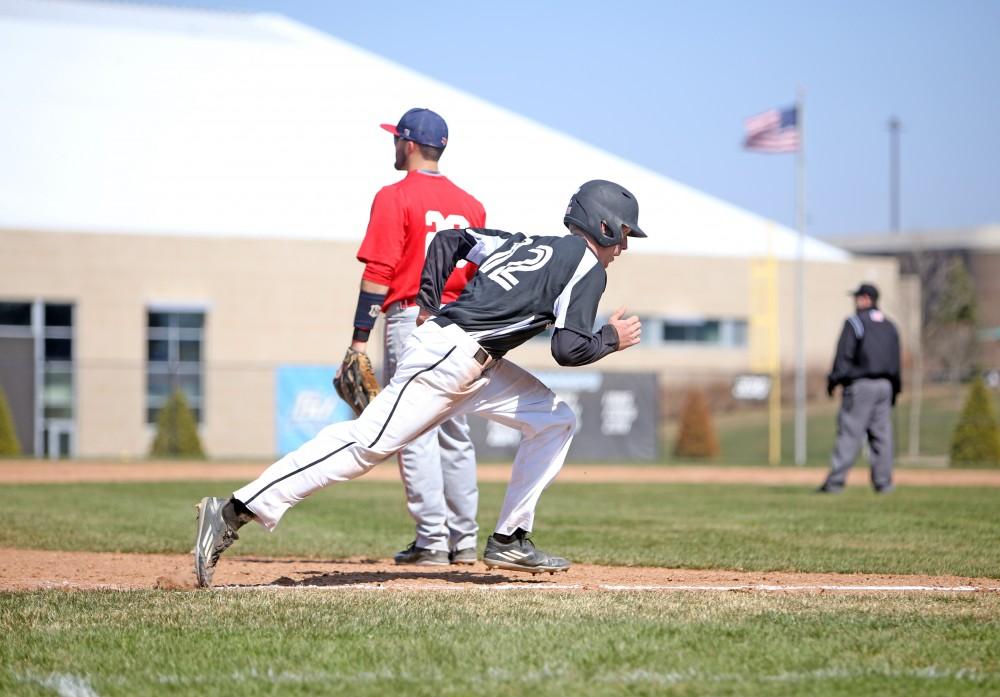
(139, 119)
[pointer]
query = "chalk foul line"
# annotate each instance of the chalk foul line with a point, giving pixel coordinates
(618, 587)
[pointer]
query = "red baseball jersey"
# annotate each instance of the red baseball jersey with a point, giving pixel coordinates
(404, 218)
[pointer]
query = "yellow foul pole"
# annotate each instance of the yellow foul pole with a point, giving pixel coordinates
(765, 356)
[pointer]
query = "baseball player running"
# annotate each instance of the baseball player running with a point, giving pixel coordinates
(438, 468)
(454, 364)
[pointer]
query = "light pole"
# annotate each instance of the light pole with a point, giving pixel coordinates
(800, 293)
(916, 315)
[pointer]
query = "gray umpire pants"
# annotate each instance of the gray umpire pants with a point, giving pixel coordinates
(438, 469)
(865, 412)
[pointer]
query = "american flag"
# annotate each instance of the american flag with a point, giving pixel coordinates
(775, 130)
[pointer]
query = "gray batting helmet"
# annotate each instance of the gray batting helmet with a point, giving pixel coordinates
(599, 201)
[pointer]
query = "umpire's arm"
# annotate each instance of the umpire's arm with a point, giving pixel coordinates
(844, 360)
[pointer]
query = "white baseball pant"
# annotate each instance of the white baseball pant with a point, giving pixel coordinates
(438, 468)
(439, 377)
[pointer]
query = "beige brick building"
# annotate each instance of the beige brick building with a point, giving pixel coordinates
(254, 319)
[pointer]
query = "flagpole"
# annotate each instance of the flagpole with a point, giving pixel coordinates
(800, 333)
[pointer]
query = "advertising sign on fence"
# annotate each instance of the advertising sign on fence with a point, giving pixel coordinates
(751, 387)
(617, 417)
(617, 414)
(305, 403)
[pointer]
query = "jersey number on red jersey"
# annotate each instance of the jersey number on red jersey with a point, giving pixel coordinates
(436, 221)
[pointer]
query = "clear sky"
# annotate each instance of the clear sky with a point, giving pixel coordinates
(668, 84)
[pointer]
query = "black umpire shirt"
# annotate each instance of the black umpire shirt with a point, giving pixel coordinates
(523, 284)
(868, 348)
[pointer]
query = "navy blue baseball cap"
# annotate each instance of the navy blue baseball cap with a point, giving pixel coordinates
(421, 126)
(866, 289)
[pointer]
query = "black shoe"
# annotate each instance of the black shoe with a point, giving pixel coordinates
(421, 556)
(520, 554)
(827, 489)
(885, 489)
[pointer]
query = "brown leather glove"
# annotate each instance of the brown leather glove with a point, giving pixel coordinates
(355, 382)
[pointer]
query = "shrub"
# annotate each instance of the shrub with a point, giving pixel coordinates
(696, 437)
(9, 444)
(176, 430)
(976, 440)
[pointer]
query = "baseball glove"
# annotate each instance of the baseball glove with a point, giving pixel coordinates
(356, 383)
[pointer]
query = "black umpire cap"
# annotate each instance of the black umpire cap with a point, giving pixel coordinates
(866, 289)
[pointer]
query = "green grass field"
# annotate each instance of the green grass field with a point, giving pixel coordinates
(513, 643)
(353, 642)
(743, 436)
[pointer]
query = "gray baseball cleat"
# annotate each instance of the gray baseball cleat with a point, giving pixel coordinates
(421, 556)
(465, 556)
(520, 554)
(214, 537)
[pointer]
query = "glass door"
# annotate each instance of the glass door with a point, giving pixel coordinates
(59, 437)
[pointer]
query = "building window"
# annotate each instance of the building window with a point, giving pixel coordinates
(698, 332)
(661, 332)
(57, 391)
(728, 333)
(15, 314)
(174, 360)
(37, 345)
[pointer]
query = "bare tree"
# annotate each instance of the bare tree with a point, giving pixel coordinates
(949, 311)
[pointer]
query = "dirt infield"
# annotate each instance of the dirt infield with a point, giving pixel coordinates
(52, 472)
(36, 570)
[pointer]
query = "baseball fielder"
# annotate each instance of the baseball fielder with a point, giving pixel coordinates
(438, 468)
(455, 364)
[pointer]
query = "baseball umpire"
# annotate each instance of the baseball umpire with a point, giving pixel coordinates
(438, 469)
(867, 365)
(455, 364)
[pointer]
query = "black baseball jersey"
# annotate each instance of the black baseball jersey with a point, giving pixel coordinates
(868, 348)
(523, 285)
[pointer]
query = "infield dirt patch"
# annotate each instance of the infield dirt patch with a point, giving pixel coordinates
(34, 570)
(65, 472)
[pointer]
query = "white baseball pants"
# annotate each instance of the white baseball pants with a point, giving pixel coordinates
(438, 377)
(438, 468)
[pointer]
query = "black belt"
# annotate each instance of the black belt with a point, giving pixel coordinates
(482, 355)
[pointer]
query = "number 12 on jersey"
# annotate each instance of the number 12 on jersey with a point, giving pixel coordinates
(500, 269)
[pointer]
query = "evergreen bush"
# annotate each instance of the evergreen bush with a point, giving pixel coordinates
(696, 437)
(177, 430)
(10, 446)
(976, 439)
